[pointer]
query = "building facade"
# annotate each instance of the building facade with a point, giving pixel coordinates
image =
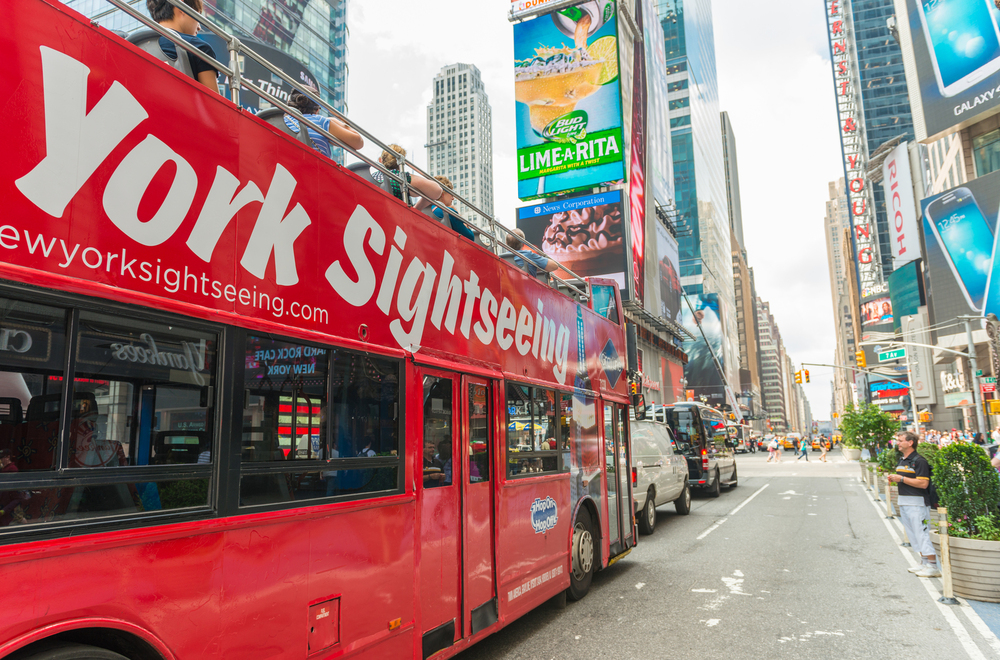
(732, 182)
(460, 137)
(772, 373)
(699, 167)
(749, 340)
(837, 228)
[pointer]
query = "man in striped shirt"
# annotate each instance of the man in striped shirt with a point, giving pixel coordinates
(913, 476)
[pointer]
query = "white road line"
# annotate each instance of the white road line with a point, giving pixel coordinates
(719, 522)
(747, 500)
(960, 632)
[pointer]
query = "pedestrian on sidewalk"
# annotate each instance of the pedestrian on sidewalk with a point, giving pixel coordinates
(823, 450)
(770, 449)
(803, 449)
(913, 475)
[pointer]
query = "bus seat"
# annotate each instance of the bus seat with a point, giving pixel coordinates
(149, 41)
(45, 407)
(363, 170)
(10, 411)
(167, 450)
(276, 117)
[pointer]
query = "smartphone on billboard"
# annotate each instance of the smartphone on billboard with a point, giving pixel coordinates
(966, 239)
(963, 39)
(991, 302)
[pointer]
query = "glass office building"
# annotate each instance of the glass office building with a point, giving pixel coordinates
(884, 100)
(699, 167)
(314, 32)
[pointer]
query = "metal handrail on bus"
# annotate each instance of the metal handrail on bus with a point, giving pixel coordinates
(237, 82)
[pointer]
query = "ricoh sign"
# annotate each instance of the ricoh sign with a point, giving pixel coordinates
(852, 139)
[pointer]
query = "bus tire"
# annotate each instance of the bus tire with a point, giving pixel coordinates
(714, 490)
(583, 552)
(55, 650)
(647, 520)
(683, 503)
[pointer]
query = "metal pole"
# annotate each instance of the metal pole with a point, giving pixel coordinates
(948, 595)
(236, 80)
(977, 395)
(913, 397)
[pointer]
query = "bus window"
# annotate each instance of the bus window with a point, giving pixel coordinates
(32, 357)
(605, 303)
(479, 433)
(533, 436)
(438, 430)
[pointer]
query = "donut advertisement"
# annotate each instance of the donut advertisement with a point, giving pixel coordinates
(584, 234)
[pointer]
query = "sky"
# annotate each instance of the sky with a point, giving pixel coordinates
(775, 80)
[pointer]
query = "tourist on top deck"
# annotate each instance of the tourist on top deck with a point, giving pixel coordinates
(187, 28)
(389, 159)
(515, 241)
(310, 109)
(446, 199)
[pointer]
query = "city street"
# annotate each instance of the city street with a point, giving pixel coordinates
(797, 562)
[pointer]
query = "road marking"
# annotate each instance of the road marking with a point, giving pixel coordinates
(719, 522)
(960, 632)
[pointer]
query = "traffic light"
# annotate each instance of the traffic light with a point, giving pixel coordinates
(806, 372)
(633, 388)
(798, 376)
(860, 358)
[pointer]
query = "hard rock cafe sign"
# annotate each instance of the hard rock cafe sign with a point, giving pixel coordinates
(847, 81)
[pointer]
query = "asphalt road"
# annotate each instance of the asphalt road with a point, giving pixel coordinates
(807, 567)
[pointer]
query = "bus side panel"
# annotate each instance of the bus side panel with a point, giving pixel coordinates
(274, 572)
(170, 587)
(532, 565)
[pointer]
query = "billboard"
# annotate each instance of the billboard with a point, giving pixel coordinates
(585, 234)
(887, 391)
(668, 281)
(876, 311)
(637, 167)
(906, 292)
(568, 103)
(956, 56)
(959, 229)
(700, 371)
(660, 174)
(898, 187)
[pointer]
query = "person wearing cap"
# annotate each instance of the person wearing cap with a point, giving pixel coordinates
(310, 110)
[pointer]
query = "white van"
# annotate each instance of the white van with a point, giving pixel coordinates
(659, 474)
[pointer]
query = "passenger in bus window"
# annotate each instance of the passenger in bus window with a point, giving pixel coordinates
(337, 128)
(11, 499)
(444, 456)
(433, 468)
(424, 187)
(187, 28)
(526, 259)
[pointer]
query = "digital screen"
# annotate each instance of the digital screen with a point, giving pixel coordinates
(968, 240)
(963, 35)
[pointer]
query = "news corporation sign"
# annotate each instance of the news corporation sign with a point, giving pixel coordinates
(852, 138)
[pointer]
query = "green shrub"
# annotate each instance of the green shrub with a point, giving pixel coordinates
(867, 427)
(888, 459)
(928, 451)
(969, 487)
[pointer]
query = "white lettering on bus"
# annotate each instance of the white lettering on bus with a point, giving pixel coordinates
(499, 320)
(77, 142)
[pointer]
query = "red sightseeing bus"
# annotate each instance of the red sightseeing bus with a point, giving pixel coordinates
(252, 405)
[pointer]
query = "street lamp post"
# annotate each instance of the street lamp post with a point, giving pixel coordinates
(977, 394)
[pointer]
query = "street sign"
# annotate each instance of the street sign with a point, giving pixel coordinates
(892, 354)
(979, 372)
(988, 380)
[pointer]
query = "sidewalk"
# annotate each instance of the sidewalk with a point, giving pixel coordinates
(989, 613)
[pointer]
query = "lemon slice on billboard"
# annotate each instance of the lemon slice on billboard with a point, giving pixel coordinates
(606, 48)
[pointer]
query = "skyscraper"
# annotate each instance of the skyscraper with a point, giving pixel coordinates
(699, 168)
(460, 137)
(732, 181)
(314, 32)
(837, 228)
(773, 367)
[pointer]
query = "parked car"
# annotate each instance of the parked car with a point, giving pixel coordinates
(700, 435)
(659, 473)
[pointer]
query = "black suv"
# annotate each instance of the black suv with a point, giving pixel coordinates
(700, 435)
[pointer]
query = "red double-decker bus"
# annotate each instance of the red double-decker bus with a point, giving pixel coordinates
(252, 405)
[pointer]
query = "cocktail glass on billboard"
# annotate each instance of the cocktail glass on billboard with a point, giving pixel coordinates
(569, 106)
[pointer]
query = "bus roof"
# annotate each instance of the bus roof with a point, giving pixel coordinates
(170, 196)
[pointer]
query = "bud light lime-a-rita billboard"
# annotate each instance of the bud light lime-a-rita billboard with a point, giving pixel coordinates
(569, 123)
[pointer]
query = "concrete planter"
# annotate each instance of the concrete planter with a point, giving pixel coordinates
(851, 454)
(975, 567)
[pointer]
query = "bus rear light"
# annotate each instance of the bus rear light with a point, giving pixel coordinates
(633, 476)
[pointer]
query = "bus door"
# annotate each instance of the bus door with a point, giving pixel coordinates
(619, 501)
(457, 576)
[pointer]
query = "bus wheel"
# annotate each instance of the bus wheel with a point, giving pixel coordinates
(60, 651)
(583, 552)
